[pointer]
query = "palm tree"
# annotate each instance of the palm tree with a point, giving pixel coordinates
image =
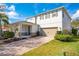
(3, 19)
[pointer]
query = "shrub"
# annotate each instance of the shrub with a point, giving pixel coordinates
(66, 32)
(63, 32)
(64, 37)
(59, 32)
(8, 34)
(74, 31)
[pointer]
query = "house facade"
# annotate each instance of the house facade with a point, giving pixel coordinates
(47, 23)
(52, 21)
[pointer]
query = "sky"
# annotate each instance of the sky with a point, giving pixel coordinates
(20, 11)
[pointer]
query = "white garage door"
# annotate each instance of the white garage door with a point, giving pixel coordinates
(49, 31)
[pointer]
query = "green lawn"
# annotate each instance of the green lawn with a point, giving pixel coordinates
(56, 48)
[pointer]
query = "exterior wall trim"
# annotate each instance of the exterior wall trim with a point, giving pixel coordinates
(49, 27)
(56, 9)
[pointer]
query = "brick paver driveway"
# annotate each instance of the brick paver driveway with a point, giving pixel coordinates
(19, 47)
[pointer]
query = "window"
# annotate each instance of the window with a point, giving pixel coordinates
(47, 15)
(54, 14)
(41, 17)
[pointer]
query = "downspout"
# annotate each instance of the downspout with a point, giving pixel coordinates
(62, 20)
(38, 27)
(35, 20)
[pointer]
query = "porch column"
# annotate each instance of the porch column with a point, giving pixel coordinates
(20, 29)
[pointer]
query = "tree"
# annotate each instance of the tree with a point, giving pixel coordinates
(75, 23)
(3, 21)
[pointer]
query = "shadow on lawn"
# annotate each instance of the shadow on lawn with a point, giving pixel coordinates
(70, 53)
(75, 39)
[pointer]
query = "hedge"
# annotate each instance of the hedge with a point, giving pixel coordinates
(64, 37)
(8, 34)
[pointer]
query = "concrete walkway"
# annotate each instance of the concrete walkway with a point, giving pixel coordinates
(22, 46)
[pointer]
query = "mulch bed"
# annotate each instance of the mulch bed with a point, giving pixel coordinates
(9, 40)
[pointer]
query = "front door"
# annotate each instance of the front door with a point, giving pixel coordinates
(29, 29)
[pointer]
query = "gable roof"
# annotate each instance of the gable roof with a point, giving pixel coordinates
(56, 9)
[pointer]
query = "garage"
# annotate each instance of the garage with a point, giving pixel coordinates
(49, 31)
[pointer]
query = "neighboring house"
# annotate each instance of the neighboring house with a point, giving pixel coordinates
(47, 23)
(52, 21)
(4, 28)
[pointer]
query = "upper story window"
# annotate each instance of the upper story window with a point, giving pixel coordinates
(54, 14)
(41, 17)
(47, 15)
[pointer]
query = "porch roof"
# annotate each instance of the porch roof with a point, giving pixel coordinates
(23, 22)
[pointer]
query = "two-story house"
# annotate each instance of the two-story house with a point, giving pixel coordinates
(46, 23)
(51, 21)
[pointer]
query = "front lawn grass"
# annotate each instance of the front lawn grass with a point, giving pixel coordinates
(56, 48)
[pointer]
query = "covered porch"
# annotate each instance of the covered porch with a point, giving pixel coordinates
(25, 29)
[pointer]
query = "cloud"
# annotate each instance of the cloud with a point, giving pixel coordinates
(11, 8)
(2, 4)
(12, 14)
(75, 15)
(15, 17)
